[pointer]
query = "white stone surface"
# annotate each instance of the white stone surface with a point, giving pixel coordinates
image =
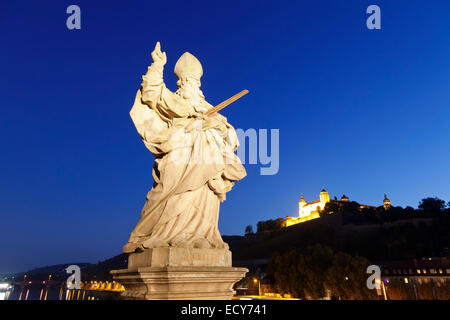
(195, 164)
(179, 283)
(176, 250)
(177, 257)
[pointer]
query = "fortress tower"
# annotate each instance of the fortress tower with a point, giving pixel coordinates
(386, 202)
(301, 204)
(324, 198)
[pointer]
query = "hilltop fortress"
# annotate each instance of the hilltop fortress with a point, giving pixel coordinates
(311, 210)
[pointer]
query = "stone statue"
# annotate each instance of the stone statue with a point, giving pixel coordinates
(195, 161)
(176, 250)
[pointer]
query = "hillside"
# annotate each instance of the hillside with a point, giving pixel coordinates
(404, 239)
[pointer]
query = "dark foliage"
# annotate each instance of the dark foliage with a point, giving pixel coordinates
(316, 271)
(375, 233)
(270, 225)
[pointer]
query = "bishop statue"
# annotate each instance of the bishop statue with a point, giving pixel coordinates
(195, 160)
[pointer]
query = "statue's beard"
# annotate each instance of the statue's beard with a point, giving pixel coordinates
(192, 94)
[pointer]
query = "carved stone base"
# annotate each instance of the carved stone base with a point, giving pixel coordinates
(179, 283)
(179, 274)
(177, 257)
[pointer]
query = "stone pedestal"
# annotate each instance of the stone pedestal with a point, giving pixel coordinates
(179, 274)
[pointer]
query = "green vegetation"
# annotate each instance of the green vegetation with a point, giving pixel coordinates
(375, 233)
(270, 225)
(352, 213)
(248, 230)
(317, 271)
(329, 256)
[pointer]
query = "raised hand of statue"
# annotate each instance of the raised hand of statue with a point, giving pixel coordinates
(158, 56)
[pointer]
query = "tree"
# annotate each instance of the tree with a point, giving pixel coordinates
(284, 270)
(432, 204)
(248, 230)
(312, 266)
(330, 208)
(346, 278)
(309, 272)
(271, 225)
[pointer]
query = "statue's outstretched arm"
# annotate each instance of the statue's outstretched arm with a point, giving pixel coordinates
(152, 81)
(155, 94)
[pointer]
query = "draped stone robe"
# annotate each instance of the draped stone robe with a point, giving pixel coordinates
(194, 169)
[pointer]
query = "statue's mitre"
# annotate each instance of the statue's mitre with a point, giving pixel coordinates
(188, 66)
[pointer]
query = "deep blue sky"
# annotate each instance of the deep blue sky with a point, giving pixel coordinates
(360, 112)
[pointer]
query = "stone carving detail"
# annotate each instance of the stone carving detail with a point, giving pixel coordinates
(195, 161)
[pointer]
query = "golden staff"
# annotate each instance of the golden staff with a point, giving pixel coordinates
(226, 103)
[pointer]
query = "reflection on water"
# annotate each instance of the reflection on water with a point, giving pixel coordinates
(5, 290)
(52, 292)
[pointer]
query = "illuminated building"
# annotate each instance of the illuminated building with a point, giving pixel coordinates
(311, 210)
(426, 278)
(386, 202)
